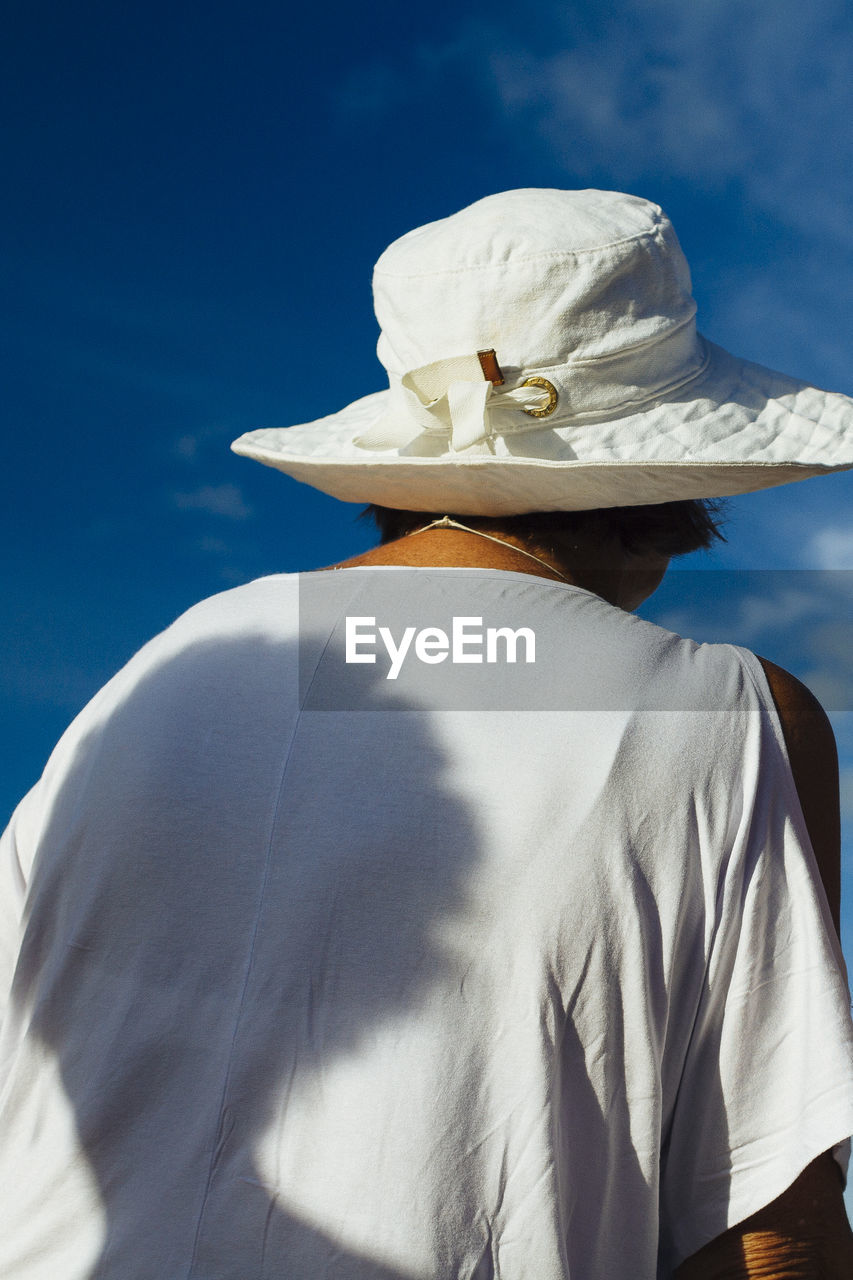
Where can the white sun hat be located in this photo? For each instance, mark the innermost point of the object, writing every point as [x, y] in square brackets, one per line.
[542, 355]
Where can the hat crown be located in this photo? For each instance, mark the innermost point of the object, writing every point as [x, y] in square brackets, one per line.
[544, 277]
[609, 396]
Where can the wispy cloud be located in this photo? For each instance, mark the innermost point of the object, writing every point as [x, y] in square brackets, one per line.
[748, 108]
[712, 91]
[213, 546]
[186, 447]
[706, 91]
[832, 547]
[798, 618]
[759, 615]
[191, 446]
[217, 500]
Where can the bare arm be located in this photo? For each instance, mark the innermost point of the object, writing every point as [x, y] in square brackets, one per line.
[814, 764]
[804, 1234]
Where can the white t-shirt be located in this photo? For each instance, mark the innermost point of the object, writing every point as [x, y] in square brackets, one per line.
[513, 969]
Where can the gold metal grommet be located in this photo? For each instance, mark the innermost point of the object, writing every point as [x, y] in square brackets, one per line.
[552, 397]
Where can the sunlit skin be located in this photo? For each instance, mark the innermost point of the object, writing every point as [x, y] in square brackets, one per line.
[804, 1234]
[600, 566]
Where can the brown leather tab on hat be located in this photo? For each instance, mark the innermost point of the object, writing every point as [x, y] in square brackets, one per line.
[491, 368]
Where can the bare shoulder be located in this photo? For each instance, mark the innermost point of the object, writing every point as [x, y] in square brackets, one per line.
[802, 716]
[814, 765]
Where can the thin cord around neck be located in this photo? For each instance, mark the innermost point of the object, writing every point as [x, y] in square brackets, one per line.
[447, 523]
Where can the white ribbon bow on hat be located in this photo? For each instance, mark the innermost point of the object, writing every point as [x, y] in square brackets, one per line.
[452, 399]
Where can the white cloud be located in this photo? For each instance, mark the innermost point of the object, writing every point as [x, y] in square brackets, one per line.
[709, 91]
[607, 106]
[218, 500]
[213, 546]
[794, 322]
[189, 446]
[832, 547]
[758, 615]
[800, 619]
[830, 648]
[727, 94]
[186, 447]
[753, 604]
[748, 622]
[748, 104]
[831, 688]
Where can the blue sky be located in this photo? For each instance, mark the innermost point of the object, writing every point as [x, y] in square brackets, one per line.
[195, 196]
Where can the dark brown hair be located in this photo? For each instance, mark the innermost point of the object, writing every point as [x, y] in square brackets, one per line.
[665, 528]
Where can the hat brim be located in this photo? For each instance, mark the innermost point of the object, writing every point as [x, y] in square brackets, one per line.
[737, 428]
